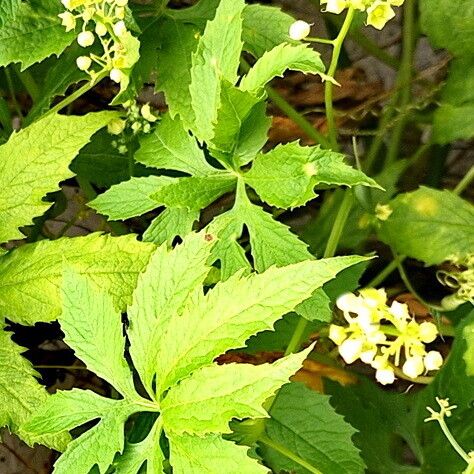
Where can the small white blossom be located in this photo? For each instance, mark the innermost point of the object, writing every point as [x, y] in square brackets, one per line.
[85, 39]
[100, 29]
[413, 366]
[116, 75]
[351, 350]
[299, 30]
[428, 332]
[119, 28]
[433, 360]
[385, 376]
[84, 63]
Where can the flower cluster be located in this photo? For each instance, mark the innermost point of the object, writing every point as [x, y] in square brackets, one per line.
[384, 336]
[102, 22]
[138, 120]
[460, 279]
[379, 12]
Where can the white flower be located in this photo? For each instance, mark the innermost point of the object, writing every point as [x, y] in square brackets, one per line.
[385, 376]
[334, 6]
[120, 28]
[83, 62]
[433, 360]
[351, 349]
[337, 334]
[85, 38]
[413, 366]
[367, 357]
[116, 75]
[299, 30]
[68, 20]
[399, 311]
[379, 13]
[428, 332]
[100, 29]
[347, 302]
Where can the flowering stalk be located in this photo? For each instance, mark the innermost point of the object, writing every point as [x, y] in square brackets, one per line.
[446, 411]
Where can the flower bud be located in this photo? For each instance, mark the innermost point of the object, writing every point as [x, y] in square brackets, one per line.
[433, 360]
[122, 3]
[413, 366]
[347, 302]
[385, 376]
[399, 311]
[116, 75]
[83, 62]
[367, 357]
[100, 29]
[85, 39]
[120, 13]
[428, 332]
[334, 6]
[116, 126]
[147, 114]
[299, 30]
[350, 350]
[120, 28]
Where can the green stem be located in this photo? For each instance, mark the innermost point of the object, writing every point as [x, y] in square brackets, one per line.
[328, 85]
[297, 118]
[75, 95]
[11, 89]
[457, 447]
[339, 223]
[421, 379]
[391, 267]
[29, 83]
[404, 78]
[288, 454]
[465, 182]
[297, 336]
[319, 40]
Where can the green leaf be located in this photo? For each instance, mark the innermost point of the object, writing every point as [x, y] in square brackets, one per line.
[195, 192]
[285, 176]
[32, 31]
[272, 243]
[101, 163]
[468, 334]
[216, 58]
[210, 454]
[163, 290]
[454, 120]
[130, 198]
[217, 394]
[409, 229]
[379, 417]
[275, 62]
[30, 276]
[449, 24]
[21, 394]
[305, 423]
[234, 310]
[34, 160]
[98, 446]
[178, 42]
[103, 353]
[199, 13]
[135, 454]
[265, 27]
[235, 108]
[172, 222]
[67, 409]
[228, 228]
[171, 147]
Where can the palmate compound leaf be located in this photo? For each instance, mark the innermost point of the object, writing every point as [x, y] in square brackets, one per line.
[31, 31]
[231, 391]
[30, 276]
[21, 394]
[409, 228]
[35, 160]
